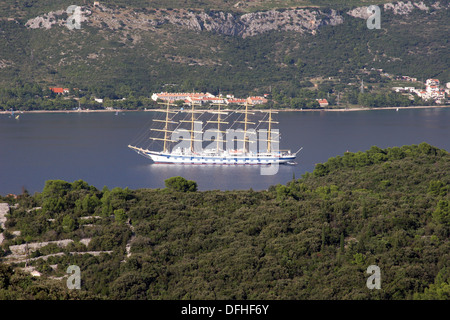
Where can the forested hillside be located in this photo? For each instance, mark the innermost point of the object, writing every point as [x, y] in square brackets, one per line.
[313, 238]
[297, 50]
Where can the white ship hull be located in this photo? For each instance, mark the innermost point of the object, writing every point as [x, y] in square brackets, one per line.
[225, 159]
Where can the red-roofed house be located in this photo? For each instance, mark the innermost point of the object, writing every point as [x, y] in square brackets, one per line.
[236, 100]
[179, 96]
[213, 99]
[257, 100]
[323, 102]
[432, 82]
[60, 90]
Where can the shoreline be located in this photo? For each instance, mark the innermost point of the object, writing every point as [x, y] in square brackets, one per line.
[367, 109]
[262, 110]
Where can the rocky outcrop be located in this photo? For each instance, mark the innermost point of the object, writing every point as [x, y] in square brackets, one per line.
[251, 24]
[45, 21]
[399, 8]
[402, 8]
[298, 20]
[4, 210]
[246, 25]
[22, 249]
[53, 18]
[359, 12]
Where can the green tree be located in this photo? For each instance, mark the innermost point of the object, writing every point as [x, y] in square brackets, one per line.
[120, 216]
[282, 191]
[320, 170]
[56, 188]
[80, 185]
[90, 203]
[436, 188]
[69, 224]
[439, 290]
[181, 184]
[442, 212]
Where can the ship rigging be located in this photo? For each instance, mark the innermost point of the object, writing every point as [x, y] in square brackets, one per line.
[183, 140]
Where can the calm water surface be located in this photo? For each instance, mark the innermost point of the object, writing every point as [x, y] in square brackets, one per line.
[93, 147]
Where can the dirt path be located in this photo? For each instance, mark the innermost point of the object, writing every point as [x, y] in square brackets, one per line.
[133, 236]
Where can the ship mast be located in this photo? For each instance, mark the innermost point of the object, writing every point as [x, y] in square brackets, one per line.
[219, 121]
[246, 123]
[269, 131]
[167, 121]
[192, 122]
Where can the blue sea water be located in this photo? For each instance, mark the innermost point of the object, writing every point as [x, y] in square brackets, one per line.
[93, 147]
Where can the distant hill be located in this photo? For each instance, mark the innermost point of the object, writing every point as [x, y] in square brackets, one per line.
[242, 47]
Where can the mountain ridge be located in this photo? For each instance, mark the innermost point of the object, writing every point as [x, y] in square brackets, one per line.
[249, 24]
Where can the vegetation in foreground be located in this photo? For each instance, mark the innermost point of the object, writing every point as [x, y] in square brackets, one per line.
[312, 238]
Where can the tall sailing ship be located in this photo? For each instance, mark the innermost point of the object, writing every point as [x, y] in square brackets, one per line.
[245, 145]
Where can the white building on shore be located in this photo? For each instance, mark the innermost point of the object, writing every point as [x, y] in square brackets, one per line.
[207, 97]
[432, 91]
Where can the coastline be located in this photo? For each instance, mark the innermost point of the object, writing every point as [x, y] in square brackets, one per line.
[368, 109]
[262, 110]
